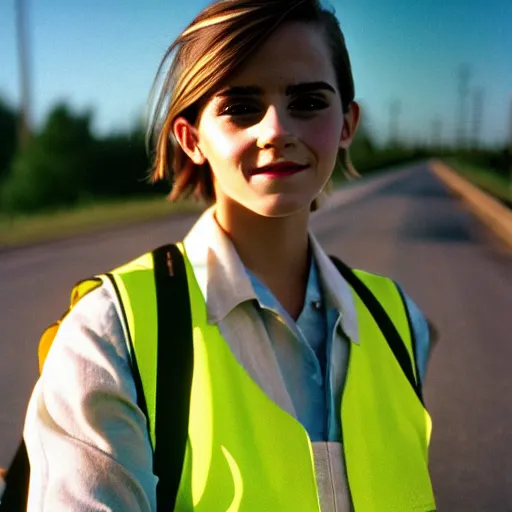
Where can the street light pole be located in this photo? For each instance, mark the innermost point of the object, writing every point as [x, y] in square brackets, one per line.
[509, 147]
[23, 59]
[464, 76]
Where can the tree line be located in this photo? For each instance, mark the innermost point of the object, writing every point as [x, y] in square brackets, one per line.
[65, 164]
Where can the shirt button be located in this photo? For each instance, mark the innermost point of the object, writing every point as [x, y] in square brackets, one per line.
[316, 305]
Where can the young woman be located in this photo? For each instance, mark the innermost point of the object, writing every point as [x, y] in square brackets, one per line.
[297, 400]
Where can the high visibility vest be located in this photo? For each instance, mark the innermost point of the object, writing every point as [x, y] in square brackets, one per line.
[244, 453]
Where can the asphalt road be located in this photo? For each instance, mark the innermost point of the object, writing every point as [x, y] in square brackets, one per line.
[405, 225]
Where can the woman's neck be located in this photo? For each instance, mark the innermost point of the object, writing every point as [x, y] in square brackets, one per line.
[275, 250]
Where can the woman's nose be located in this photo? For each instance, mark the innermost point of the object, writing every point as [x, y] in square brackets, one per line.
[274, 130]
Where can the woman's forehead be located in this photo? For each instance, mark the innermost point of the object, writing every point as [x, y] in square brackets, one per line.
[296, 53]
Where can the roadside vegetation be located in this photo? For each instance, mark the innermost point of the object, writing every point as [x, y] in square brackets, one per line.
[492, 172]
[41, 227]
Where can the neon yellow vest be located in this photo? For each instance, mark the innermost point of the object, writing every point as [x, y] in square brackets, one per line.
[245, 453]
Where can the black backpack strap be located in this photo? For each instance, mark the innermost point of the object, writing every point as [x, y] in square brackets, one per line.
[17, 478]
[174, 372]
[413, 337]
[175, 357]
[385, 324]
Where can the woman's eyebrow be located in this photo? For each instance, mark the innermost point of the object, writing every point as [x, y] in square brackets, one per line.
[309, 87]
[240, 90]
[254, 90]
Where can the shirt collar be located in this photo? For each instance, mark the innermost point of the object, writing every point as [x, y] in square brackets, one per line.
[225, 284]
[219, 271]
[337, 290]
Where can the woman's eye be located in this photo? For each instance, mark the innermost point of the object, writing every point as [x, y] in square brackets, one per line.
[239, 109]
[309, 104]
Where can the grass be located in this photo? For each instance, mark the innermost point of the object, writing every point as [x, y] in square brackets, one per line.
[484, 178]
[22, 230]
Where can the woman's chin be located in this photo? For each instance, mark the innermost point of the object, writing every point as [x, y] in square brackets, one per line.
[281, 206]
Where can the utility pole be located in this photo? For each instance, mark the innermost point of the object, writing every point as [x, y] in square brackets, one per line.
[24, 69]
[510, 125]
[436, 136]
[394, 116]
[509, 146]
[478, 96]
[464, 74]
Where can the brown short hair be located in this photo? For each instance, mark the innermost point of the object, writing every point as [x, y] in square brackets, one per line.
[205, 55]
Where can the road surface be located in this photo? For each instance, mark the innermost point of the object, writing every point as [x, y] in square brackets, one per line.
[405, 225]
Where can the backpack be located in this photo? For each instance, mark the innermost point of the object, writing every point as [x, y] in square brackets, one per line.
[174, 383]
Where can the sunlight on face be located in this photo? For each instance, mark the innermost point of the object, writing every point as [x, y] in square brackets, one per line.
[283, 106]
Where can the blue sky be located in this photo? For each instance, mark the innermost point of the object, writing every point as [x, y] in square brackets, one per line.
[103, 55]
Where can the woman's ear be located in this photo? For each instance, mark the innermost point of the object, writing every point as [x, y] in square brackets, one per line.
[188, 138]
[350, 123]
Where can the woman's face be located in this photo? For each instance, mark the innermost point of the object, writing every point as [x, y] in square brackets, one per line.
[283, 110]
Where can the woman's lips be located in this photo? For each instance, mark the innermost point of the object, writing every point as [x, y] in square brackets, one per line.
[279, 170]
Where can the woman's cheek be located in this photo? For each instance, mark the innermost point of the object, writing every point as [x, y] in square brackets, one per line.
[324, 136]
[235, 148]
[221, 139]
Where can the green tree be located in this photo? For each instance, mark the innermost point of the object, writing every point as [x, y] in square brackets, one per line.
[52, 170]
[8, 137]
[120, 166]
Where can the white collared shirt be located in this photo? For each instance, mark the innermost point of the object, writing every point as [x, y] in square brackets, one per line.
[87, 440]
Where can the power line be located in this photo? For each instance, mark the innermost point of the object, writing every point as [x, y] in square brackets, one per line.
[464, 76]
[436, 135]
[510, 125]
[395, 109]
[478, 99]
